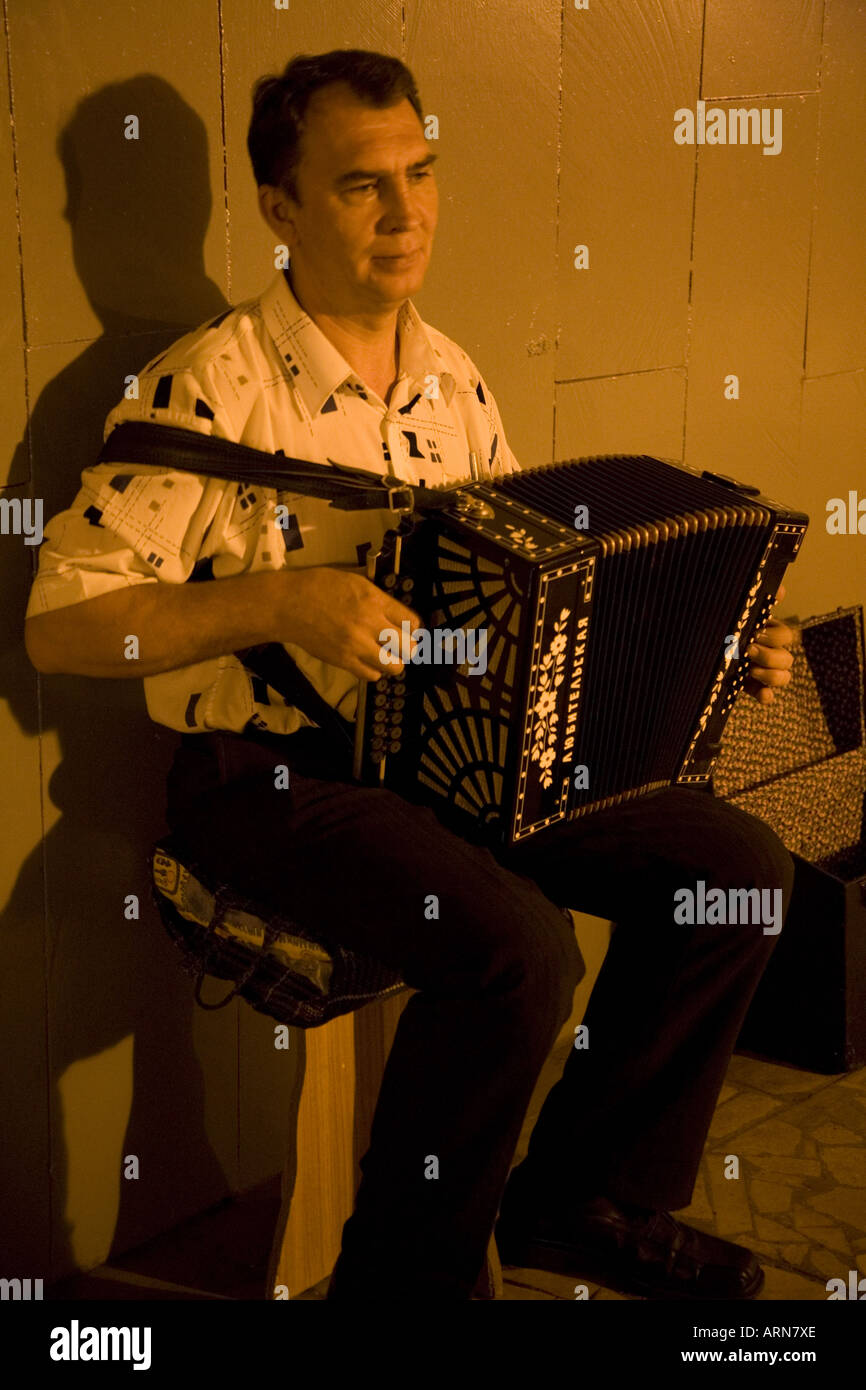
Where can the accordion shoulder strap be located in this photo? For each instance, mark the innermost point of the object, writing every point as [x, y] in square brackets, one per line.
[347, 489]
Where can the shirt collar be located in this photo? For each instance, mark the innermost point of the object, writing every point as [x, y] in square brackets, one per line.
[314, 366]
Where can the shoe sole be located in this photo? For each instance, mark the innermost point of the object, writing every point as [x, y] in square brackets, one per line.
[567, 1259]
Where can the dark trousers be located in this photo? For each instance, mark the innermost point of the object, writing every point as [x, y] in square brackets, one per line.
[483, 939]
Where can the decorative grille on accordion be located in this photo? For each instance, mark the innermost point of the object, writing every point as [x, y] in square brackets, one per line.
[613, 653]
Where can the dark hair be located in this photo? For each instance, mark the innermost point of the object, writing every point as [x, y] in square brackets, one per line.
[279, 104]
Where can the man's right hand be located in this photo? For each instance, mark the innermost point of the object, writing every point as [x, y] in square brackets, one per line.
[337, 616]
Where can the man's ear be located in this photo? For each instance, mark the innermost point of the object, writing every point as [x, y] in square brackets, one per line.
[276, 207]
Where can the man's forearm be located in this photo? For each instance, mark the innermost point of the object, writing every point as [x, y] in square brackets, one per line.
[175, 625]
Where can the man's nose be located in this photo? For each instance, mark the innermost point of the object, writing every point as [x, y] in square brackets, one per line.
[401, 202]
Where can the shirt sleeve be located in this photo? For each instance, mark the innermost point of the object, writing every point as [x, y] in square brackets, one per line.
[131, 525]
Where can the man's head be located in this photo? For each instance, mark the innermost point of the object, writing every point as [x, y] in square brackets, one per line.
[345, 177]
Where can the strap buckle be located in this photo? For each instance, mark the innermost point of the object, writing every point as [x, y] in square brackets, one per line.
[405, 505]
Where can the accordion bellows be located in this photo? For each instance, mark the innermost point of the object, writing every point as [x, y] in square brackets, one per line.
[614, 652]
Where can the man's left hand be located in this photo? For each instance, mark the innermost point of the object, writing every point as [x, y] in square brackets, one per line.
[770, 659]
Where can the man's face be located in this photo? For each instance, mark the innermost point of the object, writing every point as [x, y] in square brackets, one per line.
[363, 233]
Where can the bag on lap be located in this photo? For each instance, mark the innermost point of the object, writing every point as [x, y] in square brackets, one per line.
[276, 967]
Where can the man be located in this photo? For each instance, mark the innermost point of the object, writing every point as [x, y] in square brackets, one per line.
[332, 361]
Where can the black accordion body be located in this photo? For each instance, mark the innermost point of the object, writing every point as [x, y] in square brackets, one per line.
[618, 595]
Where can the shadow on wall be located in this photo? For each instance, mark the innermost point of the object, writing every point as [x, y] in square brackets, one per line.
[137, 220]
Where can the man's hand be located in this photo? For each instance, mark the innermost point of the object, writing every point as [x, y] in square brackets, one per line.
[770, 660]
[337, 615]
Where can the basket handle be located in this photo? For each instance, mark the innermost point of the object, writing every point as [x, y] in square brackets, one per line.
[221, 905]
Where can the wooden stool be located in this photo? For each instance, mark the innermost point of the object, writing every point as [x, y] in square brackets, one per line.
[345, 1061]
[344, 1067]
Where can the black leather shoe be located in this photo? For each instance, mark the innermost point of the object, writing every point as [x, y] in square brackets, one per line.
[634, 1251]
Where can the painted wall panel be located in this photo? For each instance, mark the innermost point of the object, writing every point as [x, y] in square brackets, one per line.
[13, 417]
[79, 71]
[831, 569]
[837, 282]
[625, 188]
[491, 285]
[773, 46]
[751, 250]
[638, 414]
[25, 1212]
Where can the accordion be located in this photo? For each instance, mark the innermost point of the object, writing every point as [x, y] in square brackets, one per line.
[587, 630]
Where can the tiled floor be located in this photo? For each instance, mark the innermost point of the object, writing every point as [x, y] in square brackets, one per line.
[799, 1200]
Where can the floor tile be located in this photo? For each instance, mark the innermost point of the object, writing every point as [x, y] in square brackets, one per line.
[770, 1196]
[776, 1079]
[800, 1201]
[771, 1137]
[794, 1254]
[782, 1284]
[792, 1170]
[827, 1263]
[730, 1205]
[768, 1229]
[700, 1208]
[847, 1204]
[744, 1109]
[832, 1237]
[846, 1165]
[834, 1134]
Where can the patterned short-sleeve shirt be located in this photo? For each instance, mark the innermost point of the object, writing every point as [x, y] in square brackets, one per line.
[264, 374]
